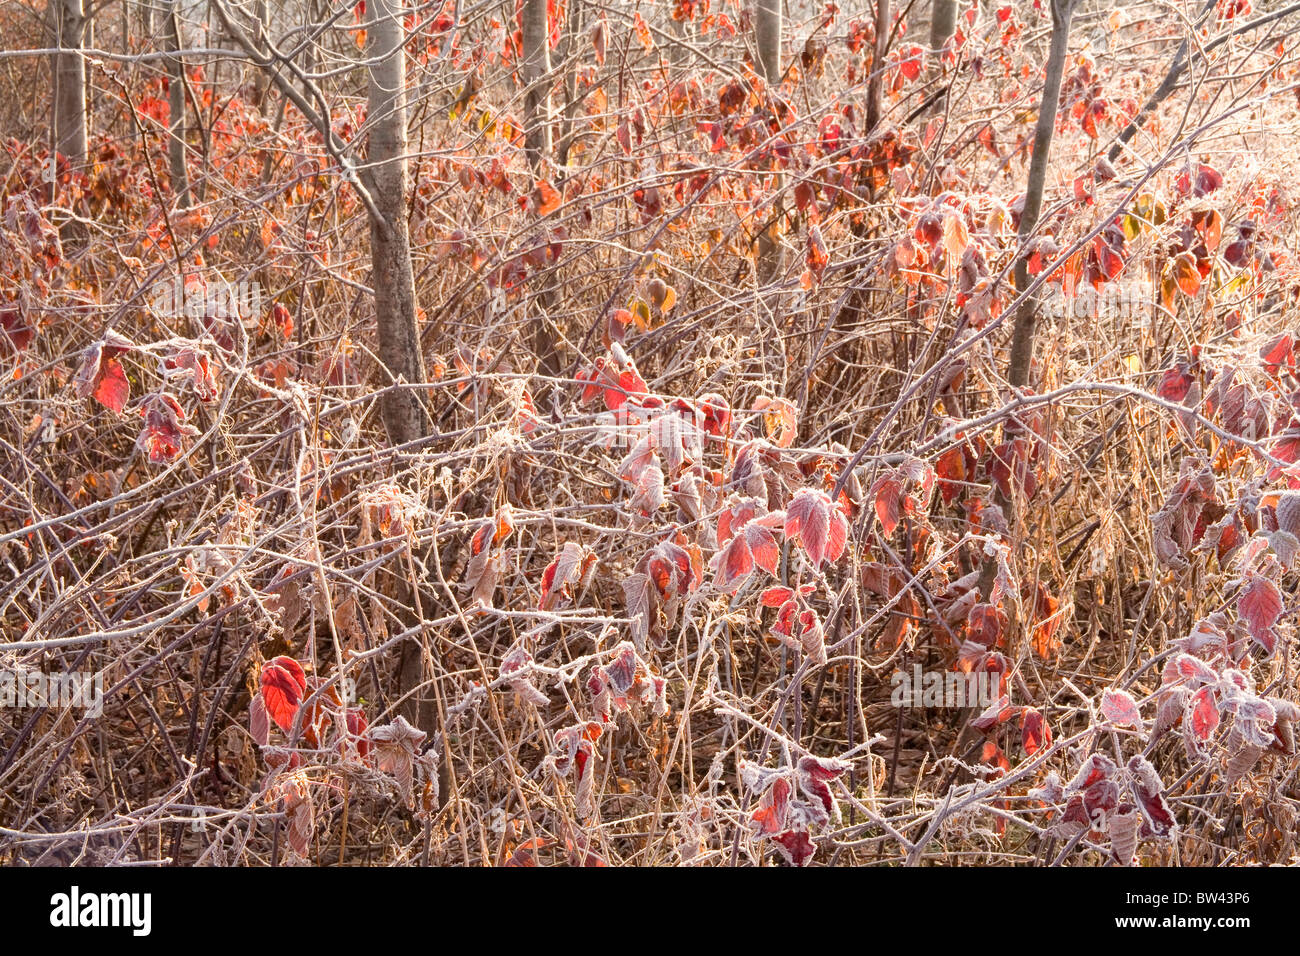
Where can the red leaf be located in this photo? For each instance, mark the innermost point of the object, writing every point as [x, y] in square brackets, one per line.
[1260, 605]
[998, 713]
[888, 493]
[113, 389]
[821, 527]
[985, 624]
[1120, 708]
[776, 596]
[816, 258]
[164, 429]
[565, 569]
[992, 754]
[1034, 731]
[1204, 713]
[772, 808]
[1147, 787]
[16, 333]
[1175, 383]
[1045, 641]
[258, 723]
[1187, 667]
[283, 686]
[733, 563]
[1276, 351]
[101, 374]
[356, 722]
[762, 547]
[815, 774]
[910, 64]
[796, 846]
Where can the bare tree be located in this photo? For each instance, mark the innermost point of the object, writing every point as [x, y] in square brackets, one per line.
[405, 416]
[536, 73]
[875, 85]
[384, 190]
[767, 38]
[767, 41]
[1022, 341]
[68, 22]
[943, 23]
[175, 105]
[537, 140]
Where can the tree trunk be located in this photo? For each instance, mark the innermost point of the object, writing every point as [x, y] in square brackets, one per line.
[875, 86]
[1026, 318]
[1022, 341]
[537, 142]
[767, 38]
[943, 23]
[537, 65]
[404, 413]
[68, 19]
[175, 105]
[767, 44]
[261, 82]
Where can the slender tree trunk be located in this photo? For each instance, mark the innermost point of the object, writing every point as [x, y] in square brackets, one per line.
[537, 65]
[767, 44]
[405, 414]
[537, 142]
[573, 36]
[875, 86]
[1022, 341]
[1026, 318]
[68, 20]
[943, 23]
[175, 105]
[767, 38]
[261, 82]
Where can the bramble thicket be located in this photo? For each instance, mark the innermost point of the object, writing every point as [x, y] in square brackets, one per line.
[539, 432]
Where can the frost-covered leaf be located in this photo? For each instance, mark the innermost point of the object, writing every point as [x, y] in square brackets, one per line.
[1119, 707]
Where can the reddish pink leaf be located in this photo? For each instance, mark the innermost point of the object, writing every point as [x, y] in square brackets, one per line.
[733, 563]
[821, 527]
[1035, 733]
[258, 723]
[887, 493]
[1148, 789]
[1120, 708]
[283, 687]
[815, 774]
[1204, 711]
[1260, 605]
[776, 596]
[165, 431]
[762, 547]
[796, 846]
[770, 815]
[1187, 667]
